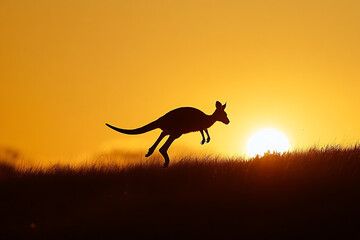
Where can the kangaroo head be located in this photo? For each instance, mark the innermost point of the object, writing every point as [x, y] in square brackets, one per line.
[220, 113]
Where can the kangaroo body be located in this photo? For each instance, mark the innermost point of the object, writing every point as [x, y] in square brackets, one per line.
[177, 122]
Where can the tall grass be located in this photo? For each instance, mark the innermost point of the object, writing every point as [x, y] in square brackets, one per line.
[302, 194]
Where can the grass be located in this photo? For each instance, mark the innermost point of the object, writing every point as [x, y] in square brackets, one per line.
[304, 194]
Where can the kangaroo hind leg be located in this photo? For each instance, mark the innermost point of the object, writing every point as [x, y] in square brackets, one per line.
[153, 147]
[165, 147]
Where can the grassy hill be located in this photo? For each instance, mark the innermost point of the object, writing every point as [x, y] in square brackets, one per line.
[300, 195]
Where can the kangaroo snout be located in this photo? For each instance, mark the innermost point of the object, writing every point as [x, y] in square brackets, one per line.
[226, 121]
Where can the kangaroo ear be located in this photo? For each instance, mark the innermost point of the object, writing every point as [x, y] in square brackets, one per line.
[218, 105]
[224, 106]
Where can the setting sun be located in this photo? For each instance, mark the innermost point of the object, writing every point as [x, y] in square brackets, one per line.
[267, 140]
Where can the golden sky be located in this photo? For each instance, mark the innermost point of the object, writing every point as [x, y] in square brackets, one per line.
[67, 67]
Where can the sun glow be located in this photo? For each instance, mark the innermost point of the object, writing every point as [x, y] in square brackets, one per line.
[267, 140]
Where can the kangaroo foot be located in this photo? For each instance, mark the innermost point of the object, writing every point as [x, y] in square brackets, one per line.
[149, 152]
[166, 165]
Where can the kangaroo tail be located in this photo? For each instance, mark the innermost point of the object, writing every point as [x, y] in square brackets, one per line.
[144, 129]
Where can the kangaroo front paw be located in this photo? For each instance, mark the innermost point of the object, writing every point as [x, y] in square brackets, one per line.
[202, 142]
[208, 140]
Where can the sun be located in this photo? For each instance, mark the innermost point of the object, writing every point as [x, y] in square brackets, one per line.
[267, 140]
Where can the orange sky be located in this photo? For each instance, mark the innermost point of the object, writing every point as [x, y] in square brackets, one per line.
[67, 67]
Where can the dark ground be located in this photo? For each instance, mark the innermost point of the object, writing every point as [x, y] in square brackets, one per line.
[304, 195]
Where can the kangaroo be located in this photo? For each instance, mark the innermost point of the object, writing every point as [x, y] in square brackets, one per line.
[177, 122]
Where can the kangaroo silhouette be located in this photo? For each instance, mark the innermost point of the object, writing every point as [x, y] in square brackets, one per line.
[177, 122]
